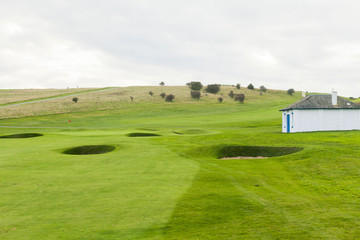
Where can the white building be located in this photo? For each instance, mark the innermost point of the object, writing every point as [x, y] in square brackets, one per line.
[321, 113]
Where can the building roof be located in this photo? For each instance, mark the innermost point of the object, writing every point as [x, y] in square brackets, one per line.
[321, 102]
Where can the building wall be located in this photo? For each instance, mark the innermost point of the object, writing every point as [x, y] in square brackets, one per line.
[322, 120]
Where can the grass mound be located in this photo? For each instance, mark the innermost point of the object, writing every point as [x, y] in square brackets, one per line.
[255, 151]
[194, 131]
[22, 135]
[90, 149]
[148, 129]
[143, 135]
[190, 132]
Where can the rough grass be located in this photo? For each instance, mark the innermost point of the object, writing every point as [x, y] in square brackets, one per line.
[19, 95]
[119, 98]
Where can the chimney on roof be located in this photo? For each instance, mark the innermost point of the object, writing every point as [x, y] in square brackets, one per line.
[334, 98]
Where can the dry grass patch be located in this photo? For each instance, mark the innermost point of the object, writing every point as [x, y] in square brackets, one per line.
[18, 95]
[118, 98]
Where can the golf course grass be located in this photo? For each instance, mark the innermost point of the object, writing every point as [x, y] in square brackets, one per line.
[167, 181]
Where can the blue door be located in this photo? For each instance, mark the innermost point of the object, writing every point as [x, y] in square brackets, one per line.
[288, 123]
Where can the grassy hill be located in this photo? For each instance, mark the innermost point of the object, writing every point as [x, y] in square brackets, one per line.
[172, 186]
[119, 98]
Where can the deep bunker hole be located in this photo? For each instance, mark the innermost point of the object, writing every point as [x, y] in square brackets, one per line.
[255, 151]
[143, 135]
[22, 135]
[89, 149]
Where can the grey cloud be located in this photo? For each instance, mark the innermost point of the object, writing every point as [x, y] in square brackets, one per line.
[307, 45]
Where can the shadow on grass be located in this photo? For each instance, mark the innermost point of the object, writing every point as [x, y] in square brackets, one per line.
[211, 209]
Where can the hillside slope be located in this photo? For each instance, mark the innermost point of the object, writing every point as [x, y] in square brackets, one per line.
[120, 98]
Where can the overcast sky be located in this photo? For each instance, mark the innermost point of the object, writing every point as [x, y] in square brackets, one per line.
[309, 45]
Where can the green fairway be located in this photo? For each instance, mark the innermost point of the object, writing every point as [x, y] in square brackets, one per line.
[162, 178]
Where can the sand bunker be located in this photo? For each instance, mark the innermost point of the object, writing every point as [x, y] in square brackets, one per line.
[89, 149]
[242, 157]
[143, 135]
[254, 152]
[22, 135]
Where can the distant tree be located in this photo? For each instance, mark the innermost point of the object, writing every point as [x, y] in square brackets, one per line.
[213, 88]
[162, 84]
[290, 91]
[169, 98]
[262, 88]
[239, 97]
[250, 86]
[163, 95]
[196, 86]
[75, 99]
[195, 94]
[131, 98]
[231, 94]
[151, 93]
[220, 99]
[238, 86]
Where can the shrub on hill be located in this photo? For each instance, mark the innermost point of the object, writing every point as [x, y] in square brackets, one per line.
[162, 84]
[231, 94]
[250, 86]
[75, 99]
[169, 98]
[239, 97]
[163, 95]
[262, 88]
[290, 91]
[196, 86]
[213, 88]
[238, 86]
[220, 99]
[131, 98]
[195, 94]
[151, 93]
